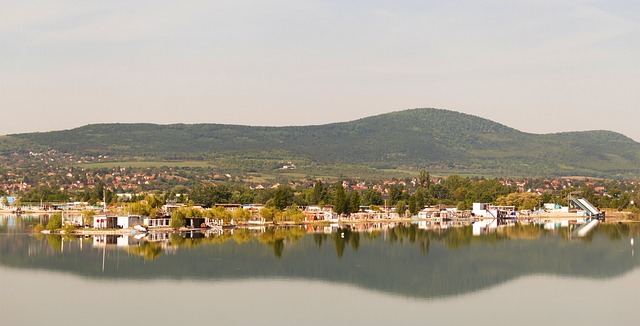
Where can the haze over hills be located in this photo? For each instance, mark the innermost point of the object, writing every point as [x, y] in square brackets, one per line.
[433, 139]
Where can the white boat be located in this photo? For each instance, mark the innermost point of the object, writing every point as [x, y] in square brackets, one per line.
[139, 228]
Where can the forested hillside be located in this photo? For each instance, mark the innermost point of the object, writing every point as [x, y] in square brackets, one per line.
[438, 140]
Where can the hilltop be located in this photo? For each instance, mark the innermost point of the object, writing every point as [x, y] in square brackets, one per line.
[434, 139]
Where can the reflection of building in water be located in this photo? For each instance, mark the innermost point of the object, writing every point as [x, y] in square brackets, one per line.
[193, 234]
[158, 236]
[109, 240]
[354, 227]
[11, 221]
[214, 232]
[103, 240]
[166, 236]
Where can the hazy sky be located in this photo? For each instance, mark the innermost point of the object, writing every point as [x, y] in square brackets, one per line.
[535, 65]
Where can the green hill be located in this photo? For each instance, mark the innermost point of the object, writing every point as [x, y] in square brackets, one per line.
[434, 139]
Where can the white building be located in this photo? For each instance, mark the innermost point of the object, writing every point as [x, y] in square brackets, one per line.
[488, 210]
[129, 221]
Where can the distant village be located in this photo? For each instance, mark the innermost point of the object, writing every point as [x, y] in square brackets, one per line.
[46, 182]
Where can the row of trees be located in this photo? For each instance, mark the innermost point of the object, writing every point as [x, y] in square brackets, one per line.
[453, 190]
[410, 195]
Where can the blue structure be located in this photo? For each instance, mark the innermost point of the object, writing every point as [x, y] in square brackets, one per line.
[11, 200]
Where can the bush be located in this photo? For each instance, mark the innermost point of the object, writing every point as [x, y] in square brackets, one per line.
[69, 228]
[38, 228]
[55, 222]
[177, 219]
[87, 217]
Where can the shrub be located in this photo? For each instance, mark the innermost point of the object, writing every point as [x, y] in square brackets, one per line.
[69, 228]
[38, 228]
[55, 222]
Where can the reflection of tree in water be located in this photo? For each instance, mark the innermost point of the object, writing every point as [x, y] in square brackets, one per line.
[454, 237]
[55, 242]
[318, 238]
[616, 231]
[339, 242]
[522, 232]
[176, 239]
[458, 237]
[274, 238]
[425, 245]
[242, 235]
[180, 240]
[344, 236]
[278, 247]
[148, 250]
[354, 240]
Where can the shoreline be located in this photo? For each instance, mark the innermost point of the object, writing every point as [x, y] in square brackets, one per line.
[617, 219]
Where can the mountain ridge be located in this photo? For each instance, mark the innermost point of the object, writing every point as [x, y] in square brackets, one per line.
[414, 139]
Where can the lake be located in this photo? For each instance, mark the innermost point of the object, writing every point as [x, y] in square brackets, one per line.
[375, 274]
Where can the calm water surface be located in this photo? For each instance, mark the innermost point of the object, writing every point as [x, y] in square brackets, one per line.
[373, 274]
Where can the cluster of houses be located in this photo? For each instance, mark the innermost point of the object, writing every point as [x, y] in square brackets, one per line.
[312, 213]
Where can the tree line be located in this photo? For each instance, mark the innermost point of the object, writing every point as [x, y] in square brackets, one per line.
[405, 195]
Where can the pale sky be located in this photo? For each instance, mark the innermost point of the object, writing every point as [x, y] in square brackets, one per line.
[536, 65]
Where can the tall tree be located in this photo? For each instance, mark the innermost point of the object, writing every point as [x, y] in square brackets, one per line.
[413, 205]
[318, 193]
[439, 191]
[401, 207]
[422, 197]
[340, 199]
[354, 202]
[282, 197]
[372, 197]
[396, 193]
[424, 180]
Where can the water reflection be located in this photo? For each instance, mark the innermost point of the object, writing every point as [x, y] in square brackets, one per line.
[403, 259]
